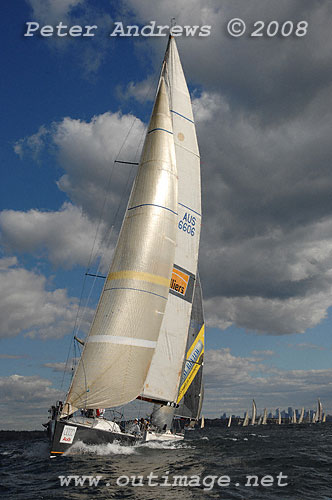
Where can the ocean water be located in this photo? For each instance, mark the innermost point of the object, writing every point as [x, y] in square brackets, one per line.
[284, 462]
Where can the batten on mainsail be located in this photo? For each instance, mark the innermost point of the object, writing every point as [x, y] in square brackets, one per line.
[125, 329]
[163, 379]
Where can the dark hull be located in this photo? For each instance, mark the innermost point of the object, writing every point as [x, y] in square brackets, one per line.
[84, 434]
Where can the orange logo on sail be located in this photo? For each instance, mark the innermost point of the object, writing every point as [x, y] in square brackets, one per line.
[179, 281]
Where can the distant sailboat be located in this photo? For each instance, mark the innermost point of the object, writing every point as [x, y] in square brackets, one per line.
[294, 417]
[260, 420]
[229, 421]
[279, 418]
[253, 414]
[319, 411]
[246, 419]
[301, 415]
[264, 417]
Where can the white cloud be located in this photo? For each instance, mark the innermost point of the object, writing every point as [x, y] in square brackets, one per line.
[231, 382]
[86, 151]
[140, 91]
[66, 236]
[48, 11]
[268, 316]
[25, 401]
[27, 306]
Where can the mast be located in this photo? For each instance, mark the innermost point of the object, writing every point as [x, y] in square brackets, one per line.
[124, 333]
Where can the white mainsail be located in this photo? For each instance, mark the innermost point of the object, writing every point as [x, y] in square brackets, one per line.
[246, 420]
[264, 417]
[229, 421]
[253, 414]
[319, 411]
[279, 417]
[124, 333]
[163, 378]
[294, 417]
[301, 415]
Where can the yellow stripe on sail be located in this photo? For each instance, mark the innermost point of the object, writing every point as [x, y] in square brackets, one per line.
[139, 276]
[192, 374]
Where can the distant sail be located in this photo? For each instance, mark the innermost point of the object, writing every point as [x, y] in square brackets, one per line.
[246, 419]
[229, 421]
[253, 414]
[264, 417]
[319, 411]
[279, 417]
[294, 417]
[301, 416]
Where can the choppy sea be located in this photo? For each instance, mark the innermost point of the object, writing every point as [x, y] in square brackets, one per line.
[265, 462]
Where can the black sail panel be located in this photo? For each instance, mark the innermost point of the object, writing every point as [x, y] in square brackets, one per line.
[190, 396]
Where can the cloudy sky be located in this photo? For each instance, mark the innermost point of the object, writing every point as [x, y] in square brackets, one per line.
[263, 112]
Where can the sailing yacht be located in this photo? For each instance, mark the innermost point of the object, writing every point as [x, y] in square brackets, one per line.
[253, 413]
[301, 415]
[146, 340]
[319, 411]
[264, 422]
[246, 419]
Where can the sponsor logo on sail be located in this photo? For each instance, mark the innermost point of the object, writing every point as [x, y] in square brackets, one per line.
[179, 281]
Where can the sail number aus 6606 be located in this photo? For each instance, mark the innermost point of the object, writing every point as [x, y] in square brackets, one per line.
[187, 224]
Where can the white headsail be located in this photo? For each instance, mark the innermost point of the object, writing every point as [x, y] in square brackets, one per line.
[124, 333]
